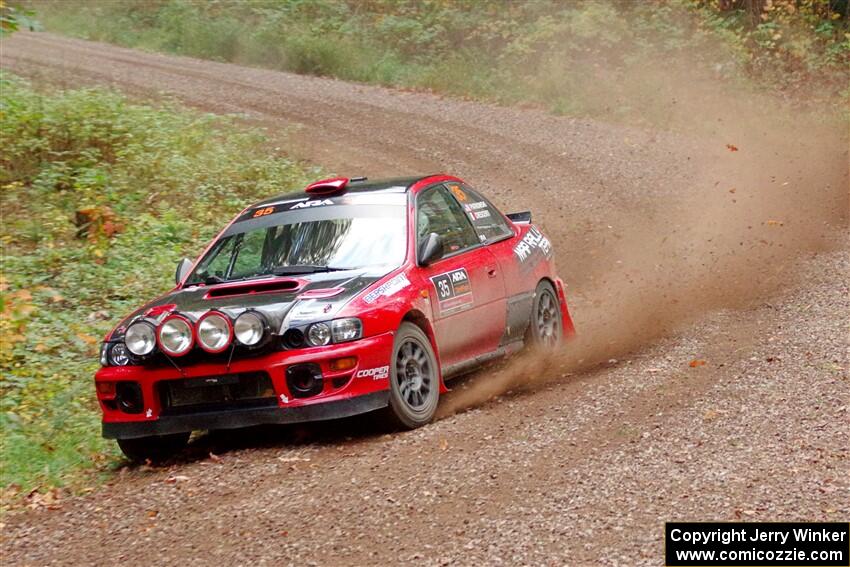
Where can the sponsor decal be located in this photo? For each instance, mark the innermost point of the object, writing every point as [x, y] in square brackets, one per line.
[379, 373]
[454, 291]
[308, 204]
[387, 288]
[478, 215]
[533, 245]
[469, 207]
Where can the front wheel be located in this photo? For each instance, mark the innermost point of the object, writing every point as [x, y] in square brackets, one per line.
[414, 379]
[155, 448]
[546, 325]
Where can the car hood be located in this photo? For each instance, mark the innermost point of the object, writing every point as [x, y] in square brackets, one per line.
[286, 300]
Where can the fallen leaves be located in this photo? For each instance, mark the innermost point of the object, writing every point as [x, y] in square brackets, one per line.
[88, 339]
[51, 499]
[174, 479]
[95, 223]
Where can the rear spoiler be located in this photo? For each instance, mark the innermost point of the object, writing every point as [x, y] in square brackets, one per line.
[520, 218]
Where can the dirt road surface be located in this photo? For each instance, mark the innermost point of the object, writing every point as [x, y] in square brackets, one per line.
[581, 466]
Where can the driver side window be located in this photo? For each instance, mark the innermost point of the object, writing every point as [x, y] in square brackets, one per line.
[438, 212]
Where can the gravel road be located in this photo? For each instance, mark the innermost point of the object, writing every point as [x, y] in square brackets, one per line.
[676, 248]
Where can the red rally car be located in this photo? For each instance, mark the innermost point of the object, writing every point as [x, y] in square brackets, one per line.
[350, 296]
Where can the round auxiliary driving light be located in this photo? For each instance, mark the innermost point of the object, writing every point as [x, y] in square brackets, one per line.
[140, 338]
[215, 332]
[175, 335]
[319, 334]
[249, 328]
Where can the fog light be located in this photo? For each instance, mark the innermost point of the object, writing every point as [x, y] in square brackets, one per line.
[129, 397]
[106, 388]
[304, 380]
[346, 363]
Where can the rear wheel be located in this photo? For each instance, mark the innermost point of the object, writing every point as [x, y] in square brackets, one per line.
[156, 448]
[414, 381]
[546, 325]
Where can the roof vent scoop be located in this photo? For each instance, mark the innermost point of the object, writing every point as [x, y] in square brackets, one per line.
[327, 186]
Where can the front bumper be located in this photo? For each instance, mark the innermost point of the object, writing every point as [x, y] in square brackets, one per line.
[235, 418]
[360, 389]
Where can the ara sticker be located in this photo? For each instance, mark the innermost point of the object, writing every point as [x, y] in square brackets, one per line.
[387, 288]
[379, 373]
[533, 244]
[454, 291]
[308, 204]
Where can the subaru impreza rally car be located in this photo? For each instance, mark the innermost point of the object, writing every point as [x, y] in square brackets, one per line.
[350, 296]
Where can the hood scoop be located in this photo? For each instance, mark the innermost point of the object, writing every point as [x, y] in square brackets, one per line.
[250, 288]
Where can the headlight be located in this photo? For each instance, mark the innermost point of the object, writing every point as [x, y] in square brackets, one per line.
[249, 328]
[214, 332]
[118, 355]
[175, 335]
[343, 330]
[140, 338]
[319, 334]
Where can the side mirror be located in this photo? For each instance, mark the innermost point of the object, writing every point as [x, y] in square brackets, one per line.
[520, 218]
[431, 249]
[183, 267]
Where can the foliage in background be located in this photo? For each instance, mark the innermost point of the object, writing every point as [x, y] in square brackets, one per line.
[13, 18]
[100, 198]
[579, 58]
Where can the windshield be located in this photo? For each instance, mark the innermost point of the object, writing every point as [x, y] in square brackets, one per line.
[334, 237]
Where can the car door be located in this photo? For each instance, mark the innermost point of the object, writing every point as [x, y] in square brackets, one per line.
[501, 238]
[466, 287]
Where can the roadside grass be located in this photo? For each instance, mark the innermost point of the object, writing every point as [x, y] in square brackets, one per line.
[582, 58]
[100, 198]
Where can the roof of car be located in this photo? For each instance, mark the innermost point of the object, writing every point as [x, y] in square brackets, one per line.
[354, 185]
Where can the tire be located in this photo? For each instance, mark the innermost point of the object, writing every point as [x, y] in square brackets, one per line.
[414, 379]
[546, 327]
[156, 449]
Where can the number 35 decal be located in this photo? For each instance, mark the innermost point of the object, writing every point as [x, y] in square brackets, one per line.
[263, 212]
[454, 292]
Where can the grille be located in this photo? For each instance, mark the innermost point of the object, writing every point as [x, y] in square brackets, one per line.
[213, 393]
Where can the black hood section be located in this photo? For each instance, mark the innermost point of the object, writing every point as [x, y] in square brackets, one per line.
[307, 297]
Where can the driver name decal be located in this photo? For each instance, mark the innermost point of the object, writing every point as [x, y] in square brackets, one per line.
[454, 291]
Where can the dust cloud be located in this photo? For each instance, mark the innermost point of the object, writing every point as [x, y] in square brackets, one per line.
[772, 190]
